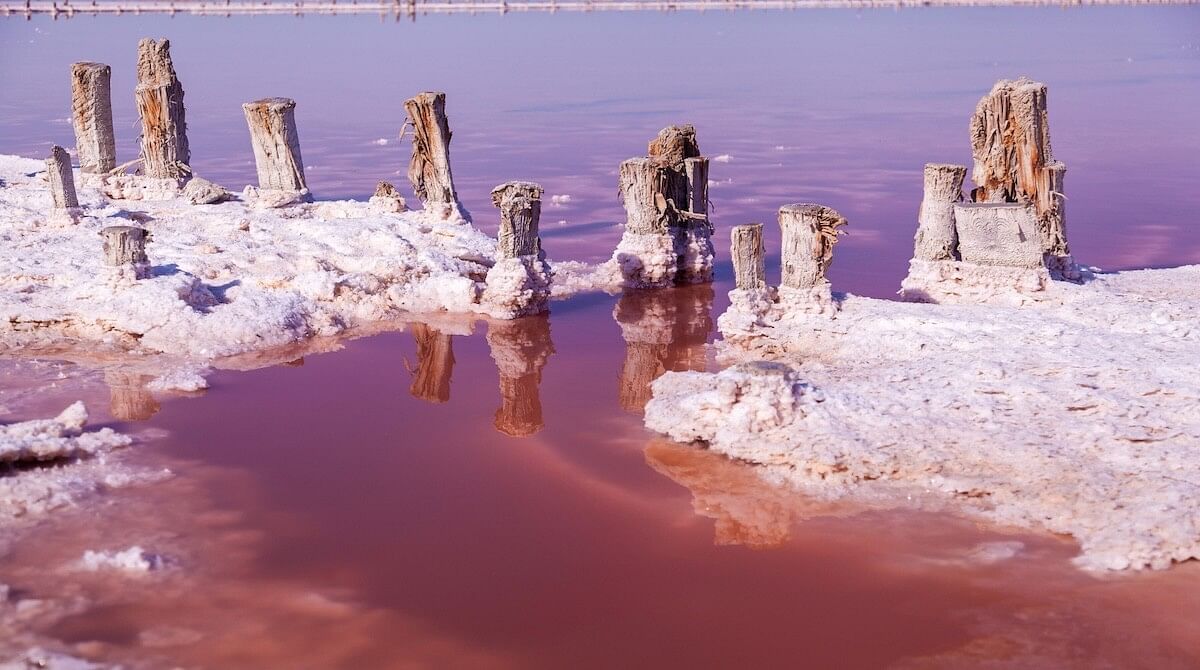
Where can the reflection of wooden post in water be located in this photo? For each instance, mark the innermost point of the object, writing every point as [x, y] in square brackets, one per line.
[666, 329]
[520, 348]
[129, 399]
[435, 364]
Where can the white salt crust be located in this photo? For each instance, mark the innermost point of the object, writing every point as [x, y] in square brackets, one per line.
[1077, 412]
[237, 276]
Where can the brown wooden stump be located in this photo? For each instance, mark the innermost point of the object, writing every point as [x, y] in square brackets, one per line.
[647, 191]
[936, 238]
[429, 170]
[62, 180]
[272, 123]
[91, 115]
[696, 171]
[809, 233]
[673, 145]
[159, 97]
[747, 252]
[125, 246]
[520, 204]
[1010, 142]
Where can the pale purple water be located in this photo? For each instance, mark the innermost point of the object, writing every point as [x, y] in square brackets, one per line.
[324, 516]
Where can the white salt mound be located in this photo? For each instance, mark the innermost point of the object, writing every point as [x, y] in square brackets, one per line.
[133, 560]
[1078, 413]
[60, 437]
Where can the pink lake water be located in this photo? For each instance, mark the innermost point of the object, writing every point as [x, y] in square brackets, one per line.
[404, 502]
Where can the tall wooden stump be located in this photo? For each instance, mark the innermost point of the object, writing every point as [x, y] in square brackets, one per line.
[747, 252]
[936, 237]
[809, 233]
[125, 248]
[696, 171]
[91, 115]
[1010, 143]
[520, 204]
[62, 181]
[429, 170]
[276, 143]
[435, 364]
[159, 97]
[998, 233]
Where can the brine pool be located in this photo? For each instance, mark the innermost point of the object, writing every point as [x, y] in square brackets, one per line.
[457, 493]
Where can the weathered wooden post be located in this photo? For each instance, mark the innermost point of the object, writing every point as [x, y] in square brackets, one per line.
[809, 233]
[998, 233]
[696, 170]
[1010, 143]
[747, 252]
[520, 349]
[125, 249]
[429, 169]
[673, 145]
[435, 364]
[276, 143]
[519, 282]
[62, 181]
[387, 199]
[936, 238]
[646, 192]
[91, 116]
[159, 96]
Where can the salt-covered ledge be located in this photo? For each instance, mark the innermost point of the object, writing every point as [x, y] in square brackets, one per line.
[1022, 389]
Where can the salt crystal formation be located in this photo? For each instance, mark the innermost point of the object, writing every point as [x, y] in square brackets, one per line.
[57, 438]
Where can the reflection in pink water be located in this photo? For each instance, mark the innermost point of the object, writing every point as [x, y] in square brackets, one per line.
[435, 498]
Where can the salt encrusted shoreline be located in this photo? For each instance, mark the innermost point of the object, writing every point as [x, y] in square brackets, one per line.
[235, 277]
[1078, 413]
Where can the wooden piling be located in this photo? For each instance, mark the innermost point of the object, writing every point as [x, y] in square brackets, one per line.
[809, 233]
[936, 238]
[429, 169]
[520, 204]
[696, 171]
[125, 245]
[62, 181]
[91, 115]
[159, 96]
[272, 123]
[646, 187]
[747, 252]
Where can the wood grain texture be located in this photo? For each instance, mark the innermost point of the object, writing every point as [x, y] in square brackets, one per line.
[62, 180]
[276, 143]
[159, 96]
[809, 233]
[91, 116]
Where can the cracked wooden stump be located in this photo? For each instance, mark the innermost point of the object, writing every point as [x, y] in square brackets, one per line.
[62, 180]
[520, 204]
[272, 123]
[809, 233]
[747, 252]
[159, 97]
[435, 364]
[429, 169]
[125, 247]
[937, 239]
[1010, 144]
[91, 116]
[647, 192]
[673, 145]
[696, 171]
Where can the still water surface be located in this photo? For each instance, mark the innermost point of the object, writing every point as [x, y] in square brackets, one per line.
[432, 498]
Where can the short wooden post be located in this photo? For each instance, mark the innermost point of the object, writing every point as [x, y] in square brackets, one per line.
[429, 169]
[435, 364]
[998, 233]
[809, 233]
[645, 186]
[91, 107]
[125, 246]
[747, 252]
[276, 143]
[1054, 223]
[696, 171]
[388, 199]
[520, 204]
[159, 96]
[62, 181]
[936, 237]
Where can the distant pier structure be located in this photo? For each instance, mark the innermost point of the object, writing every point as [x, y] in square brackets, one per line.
[411, 8]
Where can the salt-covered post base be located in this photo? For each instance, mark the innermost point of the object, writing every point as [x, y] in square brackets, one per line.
[519, 283]
[125, 252]
[646, 260]
[520, 349]
[387, 200]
